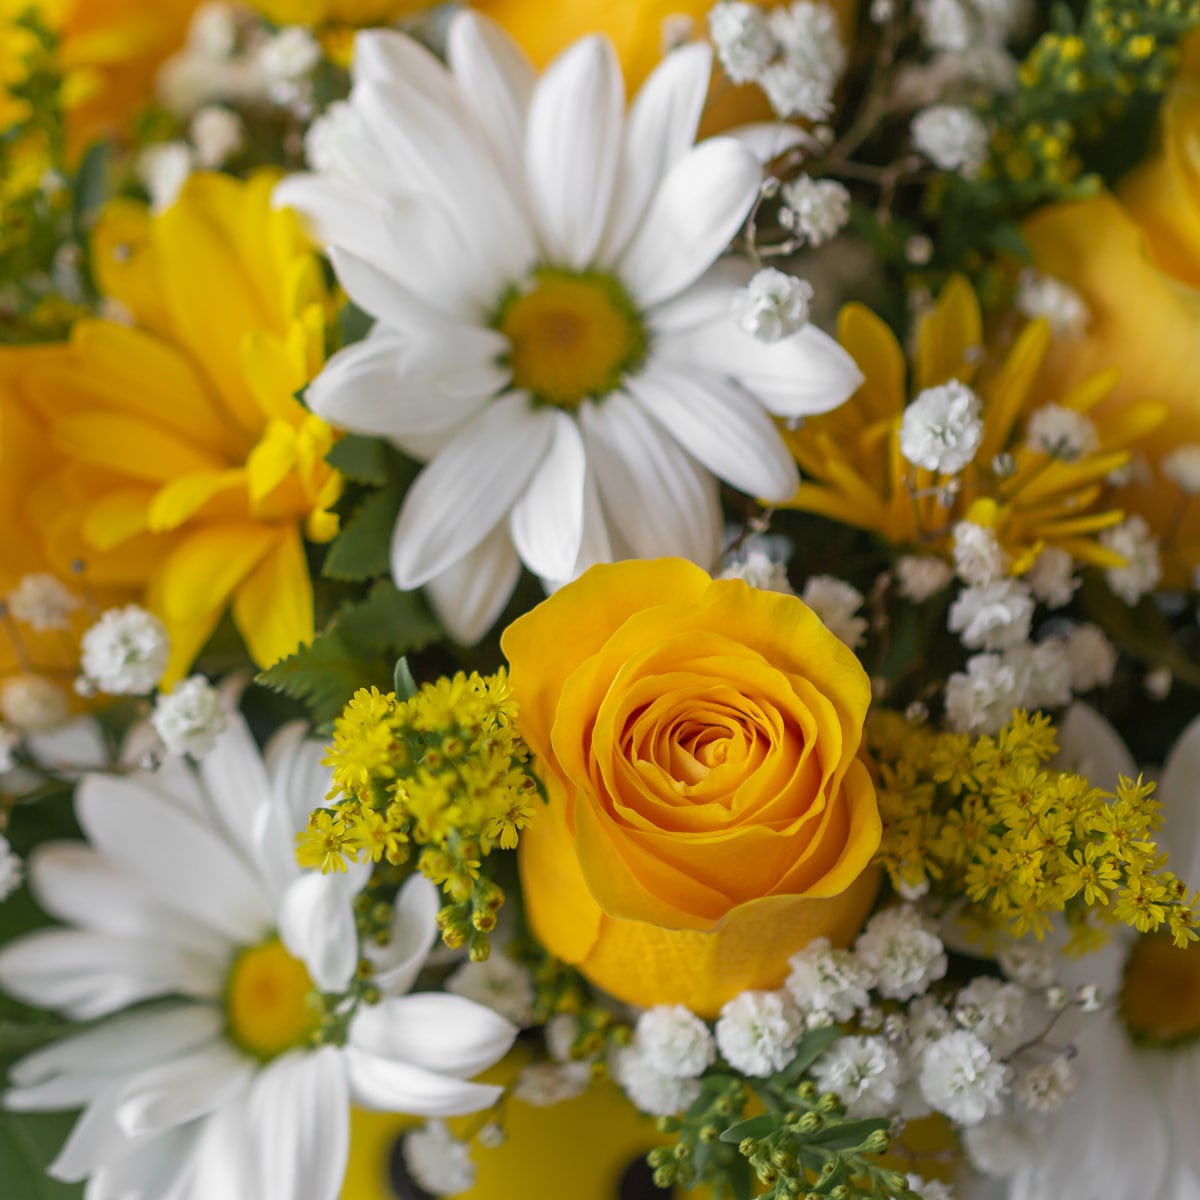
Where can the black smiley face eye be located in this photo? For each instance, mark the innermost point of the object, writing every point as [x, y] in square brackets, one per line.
[637, 1183]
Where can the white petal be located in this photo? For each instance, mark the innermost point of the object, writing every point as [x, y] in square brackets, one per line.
[469, 596]
[435, 1030]
[1181, 1067]
[96, 1140]
[468, 489]
[414, 930]
[798, 376]
[235, 780]
[316, 924]
[547, 519]
[141, 835]
[661, 127]
[124, 1044]
[385, 1086]
[155, 1170]
[658, 499]
[416, 391]
[437, 153]
[226, 1154]
[89, 975]
[300, 1114]
[721, 426]
[80, 887]
[495, 82]
[708, 301]
[63, 1093]
[1089, 745]
[768, 140]
[183, 1089]
[336, 213]
[1179, 791]
[697, 210]
[572, 148]
[300, 782]
[385, 56]
[75, 746]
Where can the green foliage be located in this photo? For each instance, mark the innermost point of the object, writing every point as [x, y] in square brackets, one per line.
[361, 459]
[357, 650]
[362, 549]
[28, 1143]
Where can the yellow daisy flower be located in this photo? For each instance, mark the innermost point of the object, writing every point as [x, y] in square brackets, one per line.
[108, 51]
[1031, 498]
[190, 470]
[339, 12]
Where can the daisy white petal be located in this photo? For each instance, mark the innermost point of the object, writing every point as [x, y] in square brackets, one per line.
[495, 82]
[437, 1031]
[660, 130]
[456, 501]
[316, 924]
[547, 520]
[572, 148]
[723, 428]
[657, 498]
[413, 933]
[470, 595]
[384, 1085]
[692, 218]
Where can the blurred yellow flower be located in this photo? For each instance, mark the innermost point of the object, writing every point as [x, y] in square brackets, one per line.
[641, 30]
[338, 12]
[189, 470]
[1134, 258]
[855, 472]
[108, 52]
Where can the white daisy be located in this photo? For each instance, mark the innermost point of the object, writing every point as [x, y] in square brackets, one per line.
[237, 1081]
[554, 332]
[1140, 1094]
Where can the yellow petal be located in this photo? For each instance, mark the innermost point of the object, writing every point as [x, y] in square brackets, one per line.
[183, 498]
[200, 574]
[948, 336]
[273, 606]
[130, 446]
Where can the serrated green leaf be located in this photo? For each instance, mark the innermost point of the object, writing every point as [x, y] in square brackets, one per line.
[28, 1144]
[403, 683]
[812, 1045]
[753, 1127]
[362, 459]
[846, 1135]
[356, 651]
[353, 323]
[362, 549]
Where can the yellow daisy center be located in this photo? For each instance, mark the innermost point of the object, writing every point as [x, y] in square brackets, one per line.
[571, 336]
[269, 1001]
[1160, 997]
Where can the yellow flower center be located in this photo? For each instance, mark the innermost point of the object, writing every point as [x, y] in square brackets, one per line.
[268, 1001]
[572, 336]
[1160, 997]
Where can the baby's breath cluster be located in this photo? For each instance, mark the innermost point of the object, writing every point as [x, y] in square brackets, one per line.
[443, 771]
[990, 820]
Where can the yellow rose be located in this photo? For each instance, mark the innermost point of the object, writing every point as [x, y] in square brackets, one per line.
[639, 29]
[709, 809]
[1135, 260]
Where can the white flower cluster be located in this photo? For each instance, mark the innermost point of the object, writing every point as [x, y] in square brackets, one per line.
[42, 602]
[1134, 542]
[660, 1066]
[190, 717]
[1052, 300]
[1182, 467]
[499, 983]
[544, 1084]
[952, 137]
[1062, 433]
[773, 306]
[125, 652]
[942, 428]
[33, 703]
[837, 603]
[438, 1161]
[759, 560]
[814, 210]
[12, 869]
[795, 53]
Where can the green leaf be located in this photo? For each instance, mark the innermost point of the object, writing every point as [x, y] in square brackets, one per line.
[28, 1144]
[812, 1045]
[403, 683]
[356, 651]
[362, 459]
[753, 1127]
[353, 323]
[91, 185]
[363, 548]
[847, 1135]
